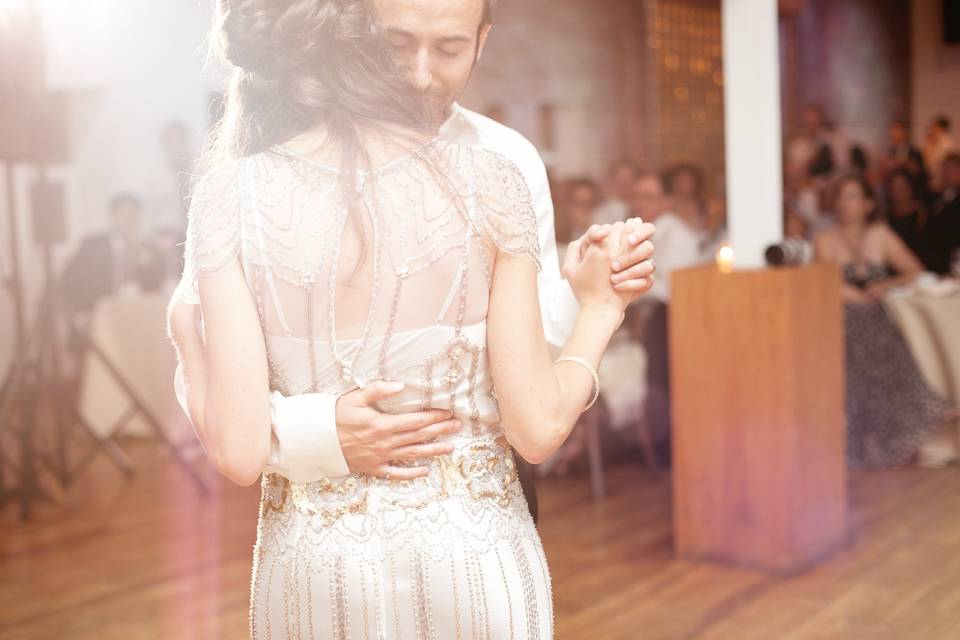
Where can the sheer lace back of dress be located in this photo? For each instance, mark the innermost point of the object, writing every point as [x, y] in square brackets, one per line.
[342, 294]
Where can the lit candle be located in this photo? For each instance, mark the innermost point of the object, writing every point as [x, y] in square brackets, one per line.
[725, 258]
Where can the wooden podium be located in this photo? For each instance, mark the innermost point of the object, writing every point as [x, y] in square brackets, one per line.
[756, 369]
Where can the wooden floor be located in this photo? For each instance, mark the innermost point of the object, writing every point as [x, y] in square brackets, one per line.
[149, 559]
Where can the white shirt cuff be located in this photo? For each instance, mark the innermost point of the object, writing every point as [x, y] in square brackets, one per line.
[305, 446]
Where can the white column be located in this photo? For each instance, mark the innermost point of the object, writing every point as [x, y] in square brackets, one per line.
[751, 62]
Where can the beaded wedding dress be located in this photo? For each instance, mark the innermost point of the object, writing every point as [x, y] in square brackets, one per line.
[396, 288]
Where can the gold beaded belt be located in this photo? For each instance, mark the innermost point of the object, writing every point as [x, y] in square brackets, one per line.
[483, 469]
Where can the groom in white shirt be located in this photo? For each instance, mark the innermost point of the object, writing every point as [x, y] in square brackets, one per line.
[438, 43]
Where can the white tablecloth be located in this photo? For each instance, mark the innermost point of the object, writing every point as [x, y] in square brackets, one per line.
[132, 334]
[929, 318]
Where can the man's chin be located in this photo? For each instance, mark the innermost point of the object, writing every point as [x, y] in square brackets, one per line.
[438, 110]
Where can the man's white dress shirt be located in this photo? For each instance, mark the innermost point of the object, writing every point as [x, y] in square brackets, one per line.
[306, 447]
[678, 247]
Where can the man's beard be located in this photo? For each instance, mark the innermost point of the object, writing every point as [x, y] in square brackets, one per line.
[437, 107]
[439, 103]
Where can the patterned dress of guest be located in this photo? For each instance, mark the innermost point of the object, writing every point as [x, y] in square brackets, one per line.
[890, 407]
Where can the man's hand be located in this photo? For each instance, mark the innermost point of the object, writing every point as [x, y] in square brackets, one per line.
[633, 269]
[371, 440]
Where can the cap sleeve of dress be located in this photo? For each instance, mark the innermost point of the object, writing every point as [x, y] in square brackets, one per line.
[503, 208]
[213, 227]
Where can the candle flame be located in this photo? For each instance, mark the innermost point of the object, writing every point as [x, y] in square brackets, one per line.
[725, 258]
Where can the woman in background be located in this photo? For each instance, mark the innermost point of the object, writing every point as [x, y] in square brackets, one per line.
[890, 408]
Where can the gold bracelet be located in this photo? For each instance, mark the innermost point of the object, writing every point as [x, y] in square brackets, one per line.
[593, 374]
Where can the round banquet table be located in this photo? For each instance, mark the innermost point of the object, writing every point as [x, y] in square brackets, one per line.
[928, 314]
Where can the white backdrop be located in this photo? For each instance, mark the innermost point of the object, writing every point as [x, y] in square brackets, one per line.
[128, 68]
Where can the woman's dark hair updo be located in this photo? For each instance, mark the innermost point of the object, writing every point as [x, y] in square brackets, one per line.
[299, 63]
[303, 63]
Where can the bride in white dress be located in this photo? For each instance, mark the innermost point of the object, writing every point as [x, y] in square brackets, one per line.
[353, 246]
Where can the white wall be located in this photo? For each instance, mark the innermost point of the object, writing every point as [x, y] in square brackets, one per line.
[128, 67]
[936, 69]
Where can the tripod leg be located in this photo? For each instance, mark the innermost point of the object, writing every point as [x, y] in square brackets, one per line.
[148, 416]
[49, 312]
[3, 457]
[105, 444]
[19, 407]
[27, 478]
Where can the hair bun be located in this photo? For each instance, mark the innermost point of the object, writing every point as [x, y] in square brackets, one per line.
[246, 39]
[268, 37]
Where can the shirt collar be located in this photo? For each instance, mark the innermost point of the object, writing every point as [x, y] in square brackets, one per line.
[456, 126]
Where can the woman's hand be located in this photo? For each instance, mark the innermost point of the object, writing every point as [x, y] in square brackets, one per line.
[589, 269]
[876, 290]
[854, 295]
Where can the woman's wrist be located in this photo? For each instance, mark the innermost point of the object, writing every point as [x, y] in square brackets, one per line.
[602, 315]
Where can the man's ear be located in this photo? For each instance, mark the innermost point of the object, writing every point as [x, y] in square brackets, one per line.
[482, 39]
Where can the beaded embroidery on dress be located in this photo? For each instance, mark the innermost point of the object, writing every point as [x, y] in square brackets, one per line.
[399, 293]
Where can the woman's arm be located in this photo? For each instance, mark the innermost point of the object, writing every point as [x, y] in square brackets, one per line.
[231, 405]
[236, 407]
[539, 402]
[234, 384]
[183, 328]
[900, 257]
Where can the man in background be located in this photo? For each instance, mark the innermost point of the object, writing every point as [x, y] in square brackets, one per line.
[939, 144]
[119, 259]
[616, 206]
[678, 247]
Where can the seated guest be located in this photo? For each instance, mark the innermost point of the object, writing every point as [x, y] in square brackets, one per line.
[801, 198]
[678, 247]
[795, 226]
[679, 236]
[812, 146]
[944, 224]
[890, 409]
[715, 228]
[616, 206]
[907, 213]
[118, 259]
[901, 154]
[684, 185]
[578, 200]
[950, 181]
[939, 144]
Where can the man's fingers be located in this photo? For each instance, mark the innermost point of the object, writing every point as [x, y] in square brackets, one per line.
[637, 271]
[430, 432]
[404, 422]
[639, 285]
[402, 473]
[421, 451]
[634, 257]
[378, 390]
[641, 233]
